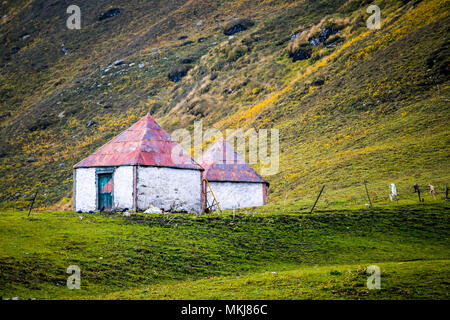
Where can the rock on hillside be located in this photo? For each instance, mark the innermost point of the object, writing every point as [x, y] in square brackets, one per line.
[237, 25]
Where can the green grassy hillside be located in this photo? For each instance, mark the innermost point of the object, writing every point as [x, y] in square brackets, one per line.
[250, 255]
[366, 104]
[400, 280]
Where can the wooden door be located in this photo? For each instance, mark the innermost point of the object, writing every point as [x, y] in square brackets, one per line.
[105, 189]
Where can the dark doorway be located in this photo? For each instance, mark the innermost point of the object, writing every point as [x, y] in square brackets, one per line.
[105, 188]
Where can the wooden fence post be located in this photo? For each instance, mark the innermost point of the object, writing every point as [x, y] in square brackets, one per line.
[417, 189]
[317, 199]
[32, 203]
[367, 192]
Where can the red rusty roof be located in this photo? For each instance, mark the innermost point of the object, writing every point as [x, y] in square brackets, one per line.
[145, 143]
[223, 163]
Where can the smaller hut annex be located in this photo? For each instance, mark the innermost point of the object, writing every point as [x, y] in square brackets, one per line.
[136, 170]
[234, 182]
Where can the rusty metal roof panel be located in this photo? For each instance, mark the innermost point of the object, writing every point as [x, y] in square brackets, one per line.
[145, 143]
[222, 163]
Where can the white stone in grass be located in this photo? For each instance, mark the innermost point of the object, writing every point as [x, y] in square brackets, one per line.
[153, 209]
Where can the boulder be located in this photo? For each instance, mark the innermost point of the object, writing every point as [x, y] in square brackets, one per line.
[153, 209]
[109, 14]
[322, 37]
[39, 124]
[237, 25]
[318, 83]
[300, 54]
[188, 42]
[179, 72]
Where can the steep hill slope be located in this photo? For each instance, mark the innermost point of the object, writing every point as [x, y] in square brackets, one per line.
[356, 104]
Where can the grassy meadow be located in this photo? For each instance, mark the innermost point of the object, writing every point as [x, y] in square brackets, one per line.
[250, 254]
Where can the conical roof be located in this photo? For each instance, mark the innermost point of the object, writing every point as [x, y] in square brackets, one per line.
[145, 143]
[222, 163]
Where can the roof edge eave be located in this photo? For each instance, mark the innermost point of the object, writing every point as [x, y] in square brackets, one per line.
[77, 166]
[238, 181]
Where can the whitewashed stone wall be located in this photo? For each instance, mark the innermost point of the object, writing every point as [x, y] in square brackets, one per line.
[123, 187]
[85, 190]
[236, 194]
[169, 189]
